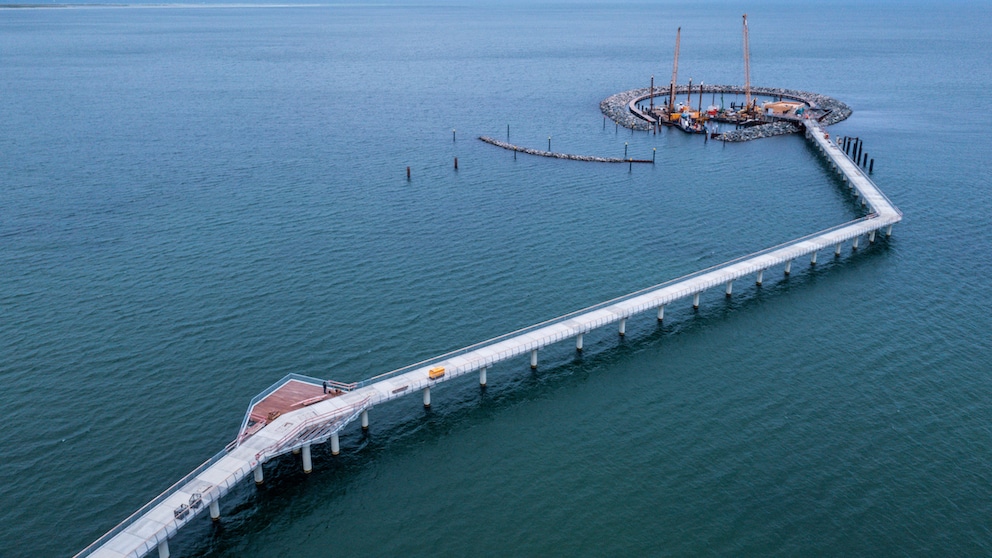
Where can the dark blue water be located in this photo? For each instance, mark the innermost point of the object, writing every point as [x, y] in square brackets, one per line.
[197, 200]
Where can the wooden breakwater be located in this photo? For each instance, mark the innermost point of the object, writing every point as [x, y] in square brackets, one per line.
[552, 154]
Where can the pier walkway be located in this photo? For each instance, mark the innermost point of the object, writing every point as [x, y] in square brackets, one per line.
[289, 424]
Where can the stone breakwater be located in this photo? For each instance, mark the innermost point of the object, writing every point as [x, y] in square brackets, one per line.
[554, 155]
[827, 109]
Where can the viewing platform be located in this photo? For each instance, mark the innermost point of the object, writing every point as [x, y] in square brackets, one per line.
[299, 411]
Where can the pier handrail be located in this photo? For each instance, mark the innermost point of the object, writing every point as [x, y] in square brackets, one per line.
[318, 420]
[605, 304]
[154, 502]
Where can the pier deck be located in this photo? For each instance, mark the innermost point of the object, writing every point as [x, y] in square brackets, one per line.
[298, 426]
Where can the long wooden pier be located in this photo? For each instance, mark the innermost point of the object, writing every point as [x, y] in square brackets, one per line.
[300, 411]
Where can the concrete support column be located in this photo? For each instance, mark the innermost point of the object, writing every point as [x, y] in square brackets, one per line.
[661, 313]
[730, 287]
[215, 510]
[335, 444]
[888, 231]
[259, 479]
[533, 359]
[482, 376]
[623, 327]
[854, 245]
[788, 267]
[163, 549]
[578, 342]
[695, 301]
[365, 420]
[837, 251]
[761, 274]
[427, 397]
[812, 259]
[307, 461]
[871, 237]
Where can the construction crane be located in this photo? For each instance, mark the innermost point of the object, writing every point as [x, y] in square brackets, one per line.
[747, 70]
[675, 73]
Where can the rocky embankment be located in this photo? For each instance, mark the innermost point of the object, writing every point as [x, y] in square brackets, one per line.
[554, 155]
[826, 109]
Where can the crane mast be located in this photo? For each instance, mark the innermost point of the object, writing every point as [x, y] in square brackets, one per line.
[747, 69]
[675, 73]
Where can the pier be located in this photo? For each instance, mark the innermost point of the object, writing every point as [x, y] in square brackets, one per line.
[555, 155]
[299, 411]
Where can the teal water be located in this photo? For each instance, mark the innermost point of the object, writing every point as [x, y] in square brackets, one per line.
[195, 201]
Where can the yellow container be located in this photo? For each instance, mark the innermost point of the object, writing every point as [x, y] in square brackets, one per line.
[436, 372]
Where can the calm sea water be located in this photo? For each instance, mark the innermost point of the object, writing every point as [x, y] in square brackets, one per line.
[197, 200]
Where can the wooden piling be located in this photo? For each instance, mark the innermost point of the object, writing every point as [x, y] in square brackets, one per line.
[871, 166]
[456, 163]
[408, 174]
